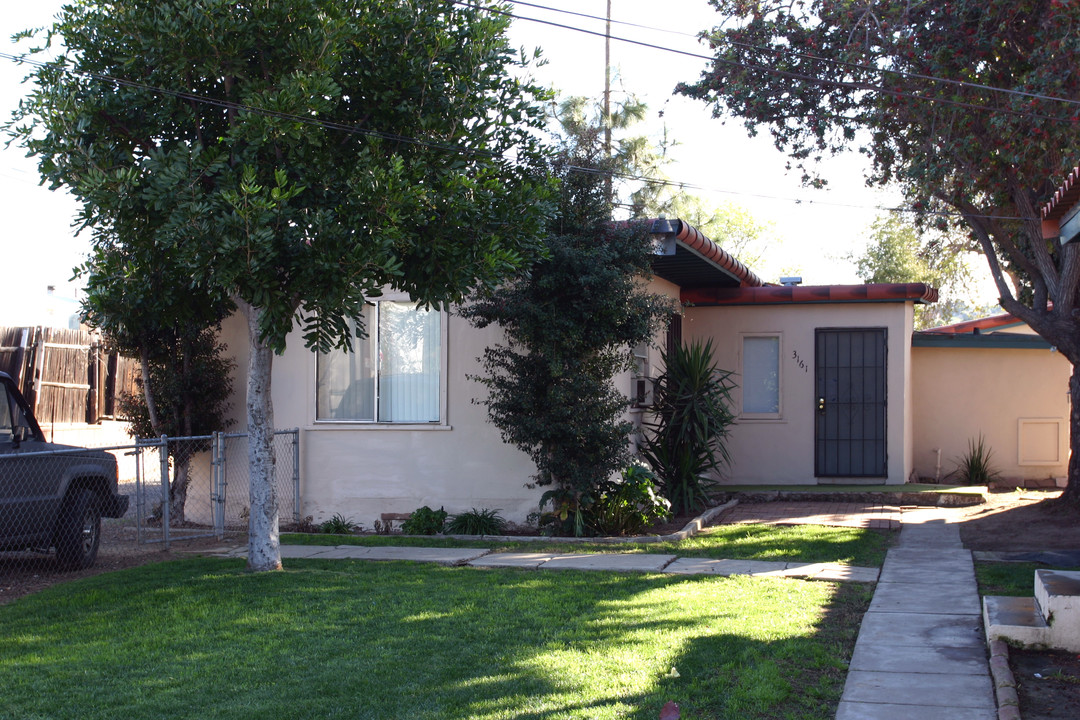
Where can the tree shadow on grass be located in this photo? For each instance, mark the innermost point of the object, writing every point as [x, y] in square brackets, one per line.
[343, 639]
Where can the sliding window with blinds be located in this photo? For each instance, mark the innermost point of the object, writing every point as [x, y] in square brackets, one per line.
[391, 376]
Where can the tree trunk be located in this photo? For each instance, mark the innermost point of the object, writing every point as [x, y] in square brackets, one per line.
[1071, 496]
[264, 550]
[178, 491]
[148, 391]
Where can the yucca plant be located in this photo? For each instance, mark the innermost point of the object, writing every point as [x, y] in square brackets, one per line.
[684, 438]
[339, 525]
[974, 467]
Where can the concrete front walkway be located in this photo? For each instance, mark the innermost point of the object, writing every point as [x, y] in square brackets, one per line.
[616, 562]
[921, 652]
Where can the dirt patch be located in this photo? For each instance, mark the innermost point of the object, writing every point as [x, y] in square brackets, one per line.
[1016, 521]
[24, 573]
[1048, 683]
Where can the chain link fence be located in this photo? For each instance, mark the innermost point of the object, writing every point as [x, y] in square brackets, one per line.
[60, 511]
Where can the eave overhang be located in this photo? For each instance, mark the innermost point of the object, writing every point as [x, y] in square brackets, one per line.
[811, 294]
[689, 259]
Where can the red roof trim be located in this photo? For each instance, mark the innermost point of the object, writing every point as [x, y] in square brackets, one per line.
[697, 241]
[986, 323]
[785, 295]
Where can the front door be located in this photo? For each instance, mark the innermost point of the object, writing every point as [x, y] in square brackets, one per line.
[850, 403]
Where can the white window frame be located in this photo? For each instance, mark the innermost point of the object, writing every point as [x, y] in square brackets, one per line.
[348, 424]
[771, 416]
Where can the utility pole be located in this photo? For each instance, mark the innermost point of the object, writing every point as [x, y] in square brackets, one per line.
[607, 103]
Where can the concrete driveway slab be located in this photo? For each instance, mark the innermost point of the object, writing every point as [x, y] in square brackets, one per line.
[882, 711]
[846, 573]
[919, 659]
[921, 630]
[618, 562]
[943, 599]
[918, 690]
[442, 556]
[708, 566]
[519, 560]
[925, 577]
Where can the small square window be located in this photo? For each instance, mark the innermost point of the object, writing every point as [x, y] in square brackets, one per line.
[761, 375]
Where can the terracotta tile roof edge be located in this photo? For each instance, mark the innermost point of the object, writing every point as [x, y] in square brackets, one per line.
[985, 323]
[782, 294]
[1064, 198]
[700, 243]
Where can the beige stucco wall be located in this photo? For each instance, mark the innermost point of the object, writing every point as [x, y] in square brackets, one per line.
[1017, 399]
[362, 470]
[781, 450]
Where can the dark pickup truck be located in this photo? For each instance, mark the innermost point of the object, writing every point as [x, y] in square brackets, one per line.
[51, 495]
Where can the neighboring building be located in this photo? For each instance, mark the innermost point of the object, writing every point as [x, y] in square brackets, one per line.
[995, 378]
[827, 394]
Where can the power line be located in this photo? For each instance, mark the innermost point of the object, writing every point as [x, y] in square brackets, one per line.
[341, 127]
[839, 84]
[779, 52]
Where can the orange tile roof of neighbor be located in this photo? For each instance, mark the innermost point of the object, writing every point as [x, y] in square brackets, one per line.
[991, 322]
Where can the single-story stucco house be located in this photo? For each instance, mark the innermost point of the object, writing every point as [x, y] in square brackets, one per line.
[834, 388]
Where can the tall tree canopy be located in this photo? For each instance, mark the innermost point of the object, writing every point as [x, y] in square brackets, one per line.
[298, 155]
[571, 324]
[961, 103]
[898, 252]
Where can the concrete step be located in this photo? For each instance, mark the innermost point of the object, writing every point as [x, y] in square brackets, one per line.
[1057, 594]
[1050, 619]
[1016, 620]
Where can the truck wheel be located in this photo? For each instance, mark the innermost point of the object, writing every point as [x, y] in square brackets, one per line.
[78, 531]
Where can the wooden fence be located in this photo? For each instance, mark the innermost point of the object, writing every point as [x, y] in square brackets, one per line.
[65, 375]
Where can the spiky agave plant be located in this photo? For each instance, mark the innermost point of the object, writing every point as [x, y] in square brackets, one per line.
[685, 436]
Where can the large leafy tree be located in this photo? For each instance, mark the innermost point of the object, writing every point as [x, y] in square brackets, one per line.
[298, 155]
[958, 102]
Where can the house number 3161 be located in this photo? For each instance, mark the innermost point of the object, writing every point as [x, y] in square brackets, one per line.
[799, 361]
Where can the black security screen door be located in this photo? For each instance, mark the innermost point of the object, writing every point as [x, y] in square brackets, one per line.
[850, 403]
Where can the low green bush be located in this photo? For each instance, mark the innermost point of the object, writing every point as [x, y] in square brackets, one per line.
[631, 505]
[425, 521]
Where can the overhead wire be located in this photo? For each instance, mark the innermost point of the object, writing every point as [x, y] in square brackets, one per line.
[314, 121]
[866, 87]
[788, 52]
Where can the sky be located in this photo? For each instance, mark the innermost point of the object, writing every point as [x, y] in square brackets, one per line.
[815, 230]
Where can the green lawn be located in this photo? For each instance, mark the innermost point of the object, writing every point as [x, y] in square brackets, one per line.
[350, 639]
[792, 543]
[1009, 579]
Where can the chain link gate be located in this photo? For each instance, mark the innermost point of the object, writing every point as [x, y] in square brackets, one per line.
[198, 487]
